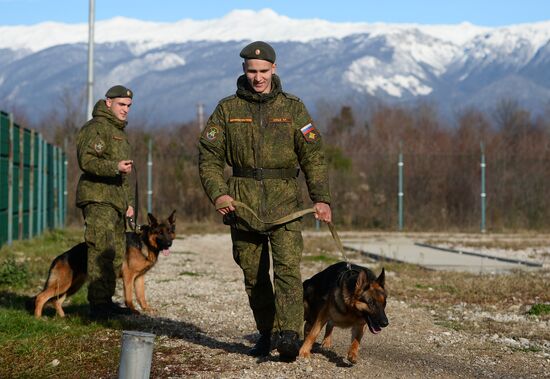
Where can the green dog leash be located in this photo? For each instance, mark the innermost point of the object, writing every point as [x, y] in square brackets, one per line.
[288, 218]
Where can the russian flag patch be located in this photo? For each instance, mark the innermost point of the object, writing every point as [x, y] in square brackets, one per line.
[309, 132]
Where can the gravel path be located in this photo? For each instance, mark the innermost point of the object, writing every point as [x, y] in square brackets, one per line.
[204, 328]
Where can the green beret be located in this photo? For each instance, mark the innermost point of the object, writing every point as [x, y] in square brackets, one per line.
[258, 50]
[119, 91]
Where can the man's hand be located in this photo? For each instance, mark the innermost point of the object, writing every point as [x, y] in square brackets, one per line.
[323, 212]
[130, 211]
[228, 201]
[125, 167]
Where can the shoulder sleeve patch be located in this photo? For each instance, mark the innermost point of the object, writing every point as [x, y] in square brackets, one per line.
[99, 145]
[211, 133]
[310, 133]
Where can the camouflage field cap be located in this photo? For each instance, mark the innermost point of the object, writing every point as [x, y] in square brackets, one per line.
[119, 91]
[259, 50]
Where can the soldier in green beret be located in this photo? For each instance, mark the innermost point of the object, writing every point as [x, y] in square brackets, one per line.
[266, 136]
[105, 197]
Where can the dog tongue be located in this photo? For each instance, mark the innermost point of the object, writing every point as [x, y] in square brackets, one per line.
[166, 252]
[374, 330]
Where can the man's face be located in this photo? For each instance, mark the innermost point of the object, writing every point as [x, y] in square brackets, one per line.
[259, 74]
[120, 106]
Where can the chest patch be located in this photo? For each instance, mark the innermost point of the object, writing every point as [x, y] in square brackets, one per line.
[245, 119]
[118, 138]
[310, 133]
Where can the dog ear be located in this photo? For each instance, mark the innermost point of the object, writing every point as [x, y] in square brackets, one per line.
[152, 220]
[381, 278]
[172, 217]
[361, 283]
[346, 295]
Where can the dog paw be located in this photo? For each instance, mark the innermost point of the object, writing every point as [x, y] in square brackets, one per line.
[352, 358]
[150, 311]
[304, 354]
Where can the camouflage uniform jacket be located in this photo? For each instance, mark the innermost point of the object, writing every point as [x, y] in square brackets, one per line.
[251, 130]
[101, 144]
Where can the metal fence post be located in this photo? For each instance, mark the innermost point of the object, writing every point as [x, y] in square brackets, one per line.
[483, 193]
[149, 176]
[59, 187]
[65, 193]
[10, 180]
[40, 181]
[400, 194]
[45, 187]
[55, 189]
[21, 183]
[31, 187]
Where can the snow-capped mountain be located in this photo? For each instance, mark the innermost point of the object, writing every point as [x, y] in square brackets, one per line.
[173, 66]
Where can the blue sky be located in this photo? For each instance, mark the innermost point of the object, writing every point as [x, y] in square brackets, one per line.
[479, 12]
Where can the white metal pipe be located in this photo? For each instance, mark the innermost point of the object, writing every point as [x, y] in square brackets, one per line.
[136, 355]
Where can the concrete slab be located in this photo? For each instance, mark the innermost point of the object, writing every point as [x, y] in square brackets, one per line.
[403, 249]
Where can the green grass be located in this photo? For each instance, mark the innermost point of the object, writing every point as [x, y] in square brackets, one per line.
[539, 309]
[454, 325]
[28, 346]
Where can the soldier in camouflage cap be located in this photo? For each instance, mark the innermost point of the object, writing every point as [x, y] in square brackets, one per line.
[265, 135]
[105, 197]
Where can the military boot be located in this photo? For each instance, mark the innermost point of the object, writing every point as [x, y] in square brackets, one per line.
[288, 345]
[262, 348]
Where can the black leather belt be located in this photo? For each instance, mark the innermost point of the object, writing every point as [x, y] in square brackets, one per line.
[266, 173]
[116, 180]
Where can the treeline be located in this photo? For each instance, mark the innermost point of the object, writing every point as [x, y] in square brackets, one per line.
[442, 173]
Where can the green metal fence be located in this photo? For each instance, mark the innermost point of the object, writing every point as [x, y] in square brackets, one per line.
[33, 182]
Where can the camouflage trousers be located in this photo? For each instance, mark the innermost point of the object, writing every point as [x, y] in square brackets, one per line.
[106, 242]
[278, 306]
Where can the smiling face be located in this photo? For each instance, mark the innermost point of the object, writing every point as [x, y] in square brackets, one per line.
[120, 106]
[259, 74]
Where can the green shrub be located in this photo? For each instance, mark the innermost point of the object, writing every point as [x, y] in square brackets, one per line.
[13, 273]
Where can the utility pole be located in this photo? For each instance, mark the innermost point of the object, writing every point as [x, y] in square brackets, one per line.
[200, 115]
[483, 192]
[91, 20]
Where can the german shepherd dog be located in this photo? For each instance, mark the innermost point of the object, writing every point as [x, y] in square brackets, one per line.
[69, 271]
[348, 297]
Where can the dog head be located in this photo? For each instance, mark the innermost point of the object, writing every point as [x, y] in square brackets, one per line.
[368, 298]
[161, 234]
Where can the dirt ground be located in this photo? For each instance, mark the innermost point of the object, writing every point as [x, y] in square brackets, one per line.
[204, 328]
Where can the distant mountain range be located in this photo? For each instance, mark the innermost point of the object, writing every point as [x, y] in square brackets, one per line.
[173, 66]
